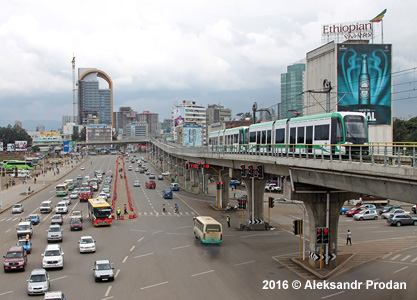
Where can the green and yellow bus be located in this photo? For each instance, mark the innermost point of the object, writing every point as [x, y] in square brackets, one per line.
[61, 189]
[208, 230]
[70, 184]
[20, 165]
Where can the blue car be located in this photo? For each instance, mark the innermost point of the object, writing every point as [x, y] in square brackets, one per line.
[167, 194]
[343, 211]
[34, 219]
[26, 244]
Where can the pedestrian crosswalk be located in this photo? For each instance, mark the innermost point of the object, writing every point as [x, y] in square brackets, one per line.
[160, 214]
[401, 258]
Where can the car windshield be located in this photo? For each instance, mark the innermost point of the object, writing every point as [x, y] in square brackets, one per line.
[54, 229]
[37, 278]
[22, 242]
[23, 227]
[87, 241]
[17, 206]
[56, 217]
[52, 253]
[75, 221]
[76, 214]
[17, 254]
[103, 267]
[33, 217]
[212, 228]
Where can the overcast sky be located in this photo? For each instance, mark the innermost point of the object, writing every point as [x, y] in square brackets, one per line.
[161, 52]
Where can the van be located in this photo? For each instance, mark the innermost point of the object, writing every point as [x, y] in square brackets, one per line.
[46, 207]
[24, 228]
[174, 186]
[207, 230]
[54, 296]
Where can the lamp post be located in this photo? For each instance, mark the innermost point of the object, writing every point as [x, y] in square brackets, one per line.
[304, 217]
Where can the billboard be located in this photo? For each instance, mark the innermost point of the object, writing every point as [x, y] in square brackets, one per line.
[10, 147]
[364, 81]
[66, 146]
[49, 134]
[20, 145]
[192, 136]
[73, 146]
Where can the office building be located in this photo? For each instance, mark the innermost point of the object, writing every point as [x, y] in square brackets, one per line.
[292, 87]
[151, 119]
[189, 112]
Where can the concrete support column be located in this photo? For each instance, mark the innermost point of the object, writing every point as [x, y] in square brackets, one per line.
[225, 191]
[256, 207]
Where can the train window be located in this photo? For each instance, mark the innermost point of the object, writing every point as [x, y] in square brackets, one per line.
[337, 131]
[241, 139]
[292, 135]
[236, 138]
[252, 137]
[321, 132]
[300, 135]
[258, 137]
[263, 138]
[280, 136]
[268, 137]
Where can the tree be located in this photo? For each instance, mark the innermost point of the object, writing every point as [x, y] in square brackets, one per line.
[75, 136]
[35, 149]
[11, 134]
[405, 131]
[83, 134]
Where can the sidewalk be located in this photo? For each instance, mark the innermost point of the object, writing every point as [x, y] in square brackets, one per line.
[19, 192]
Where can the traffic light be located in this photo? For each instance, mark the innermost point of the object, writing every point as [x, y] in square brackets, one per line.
[243, 204]
[260, 172]
[250, 171]
[240, 204]
[325, 235]
[243, 171]
[221, 185]
[199, 165]
[218, 185]
[319, 235]
[187, 165]
[271, 202]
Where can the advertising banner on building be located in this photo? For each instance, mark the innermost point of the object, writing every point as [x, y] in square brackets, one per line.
[364, 80]
[73, 146]
[1, 145]
[179, 117]
[192, 136]
[66, 146]
[21, 145]
[49, 134]
[10, 147]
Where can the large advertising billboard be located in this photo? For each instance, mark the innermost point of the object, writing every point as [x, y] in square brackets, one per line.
[192, 136]
[49, 134]
[364, 80]
[66, 146]
[10, 147]
[20, 145]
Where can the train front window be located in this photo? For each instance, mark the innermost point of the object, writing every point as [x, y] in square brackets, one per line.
[355, 129]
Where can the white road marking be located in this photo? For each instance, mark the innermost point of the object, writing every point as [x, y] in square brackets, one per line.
[117, 273]
[8, 230]
[147, 254]
[405, 258]
[124, 260]
[244, 263]
[180, 247]
[414, 260]
[107, 298]
[176, 233]
[59, 278]
[138, 230]
[256, 235]
[202, 273]
[325, 297]
[184, 227]
[131, 249]
[149, 286]
[9, 219]
[395, 257]
[108, 291]
[158, 231]
[140, 239]
[399, 270]
[5, 293]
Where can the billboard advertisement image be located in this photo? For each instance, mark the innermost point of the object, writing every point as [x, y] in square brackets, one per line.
[10, 147]
[66, 146]
[192, 136]
[21, 145]
[364, 80]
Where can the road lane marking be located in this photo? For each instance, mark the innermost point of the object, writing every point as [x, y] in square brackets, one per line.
[158, 231]
[107, 292]
[184, 227]
[325, 297]
[140, 239]
[180, 247]
[117, 273]
[176, 233]
[255, 235]
[8, 230]
[124, 260]
[5, 293]
[395, 257]
[399, 270]
[414, 260]
[202, 273]
[9, 219]
[143, 255]
[405, 258]
[244, 263]
[107, 298]
[150, 286]
[58, 278]
[138, 230]
[131, 249]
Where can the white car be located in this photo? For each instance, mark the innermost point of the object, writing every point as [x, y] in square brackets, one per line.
[103, 270]
[87, 244]
[136, 183]
[67, 200]
[368, 214]
[166, 173]
[137, 170]
[129, 168]
[53, 257]
[103, 195]
[61, 208]
[393, 212]
[17, 208]
[82, 168]
[74, 195]
[107, 191]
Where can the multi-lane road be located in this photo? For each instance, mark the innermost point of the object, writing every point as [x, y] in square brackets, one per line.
[156, 256]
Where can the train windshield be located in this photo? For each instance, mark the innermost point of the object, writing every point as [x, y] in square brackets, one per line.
[356, 129]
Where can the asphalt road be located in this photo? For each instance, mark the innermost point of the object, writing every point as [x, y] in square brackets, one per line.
[156, 256]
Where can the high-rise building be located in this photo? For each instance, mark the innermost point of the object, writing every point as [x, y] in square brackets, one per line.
[66, 119]
[189, 112]
[217, 114]
[292, 87]
[123, 118]
[93, 101]
[40, 127]
[151, 119]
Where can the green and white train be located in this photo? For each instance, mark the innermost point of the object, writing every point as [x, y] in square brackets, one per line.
[339, 133]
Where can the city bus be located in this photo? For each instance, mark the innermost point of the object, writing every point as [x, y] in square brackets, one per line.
[69, 183]
[61, 189]
[99, 212]
[20, 165]
[33, 160]
[207, 230]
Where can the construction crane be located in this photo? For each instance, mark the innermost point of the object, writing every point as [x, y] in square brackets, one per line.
[73, 89]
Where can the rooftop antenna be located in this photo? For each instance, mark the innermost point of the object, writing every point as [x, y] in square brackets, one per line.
[73, 89]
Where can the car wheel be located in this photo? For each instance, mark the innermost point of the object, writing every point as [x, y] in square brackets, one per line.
[415, 223]
[376, 218]
[398, 224]
[96, 279]
[360, 219]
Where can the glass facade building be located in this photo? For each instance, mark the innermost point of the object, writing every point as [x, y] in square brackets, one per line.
[292, 87]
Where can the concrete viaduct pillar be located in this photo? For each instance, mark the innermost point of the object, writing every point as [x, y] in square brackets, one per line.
[256, 207]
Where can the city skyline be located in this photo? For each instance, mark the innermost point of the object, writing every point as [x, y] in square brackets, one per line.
[158, 55]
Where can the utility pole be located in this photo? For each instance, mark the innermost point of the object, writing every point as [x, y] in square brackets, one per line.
[73, 89]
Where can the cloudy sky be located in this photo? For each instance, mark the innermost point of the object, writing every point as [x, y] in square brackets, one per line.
[160, 52]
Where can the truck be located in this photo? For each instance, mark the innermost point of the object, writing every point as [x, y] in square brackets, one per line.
[94, 183]
[85, 193]
[368, 199]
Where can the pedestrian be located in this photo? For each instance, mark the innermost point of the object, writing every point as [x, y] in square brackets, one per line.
[34, 180]
[228, 221]
[349, 238]
[125, 209]
[115, 196]
[118, 213]
[163, 208]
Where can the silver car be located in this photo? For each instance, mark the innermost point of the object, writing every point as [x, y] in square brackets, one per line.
[103, 271]
[38, 282]
[368, 214]
[54, 233]
[17, 208]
